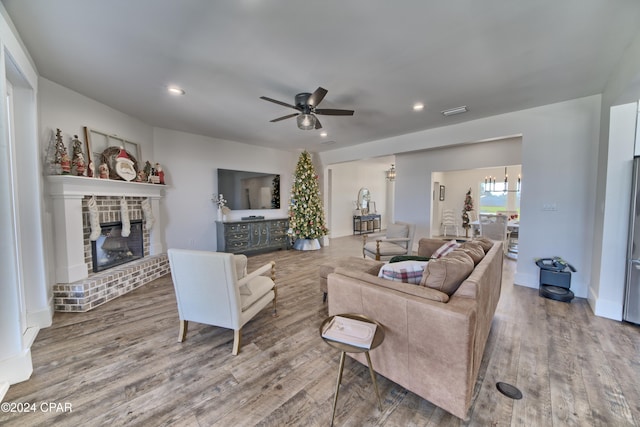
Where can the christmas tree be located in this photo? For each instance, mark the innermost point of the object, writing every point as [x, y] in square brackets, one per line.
[306, 216]
[275, 192]
[468, 206]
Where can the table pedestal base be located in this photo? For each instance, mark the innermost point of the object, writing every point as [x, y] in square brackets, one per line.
[341, 369]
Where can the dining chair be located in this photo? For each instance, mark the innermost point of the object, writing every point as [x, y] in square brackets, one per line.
[449, 220]
[494, 227]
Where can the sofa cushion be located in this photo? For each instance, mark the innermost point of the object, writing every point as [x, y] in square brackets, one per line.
[365, 265]
[445, 249]
[403, 271]
[473, 249]
[484, 242]
[406, 288]
[447, 273]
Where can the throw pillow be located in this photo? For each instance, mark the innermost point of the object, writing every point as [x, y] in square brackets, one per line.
[474, 250]
[240, 262]
[485, 242]
[445, 249]
[447, 273]
[404, 271]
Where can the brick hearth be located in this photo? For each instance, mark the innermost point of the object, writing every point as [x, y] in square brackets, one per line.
[101, 287]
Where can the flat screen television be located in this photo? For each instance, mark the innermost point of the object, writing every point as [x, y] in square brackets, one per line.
[245, 190]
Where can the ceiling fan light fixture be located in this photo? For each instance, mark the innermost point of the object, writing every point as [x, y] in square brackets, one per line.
[454, 111]
[306, 121]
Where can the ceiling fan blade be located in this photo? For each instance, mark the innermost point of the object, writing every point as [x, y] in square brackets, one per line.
[284, 117]
[333, 112]
[318, 124]
[275, 101]
[317, 97]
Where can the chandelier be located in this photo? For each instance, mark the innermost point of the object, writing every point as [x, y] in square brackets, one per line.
[391, 173]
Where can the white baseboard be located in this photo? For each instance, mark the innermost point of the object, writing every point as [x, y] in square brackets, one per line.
[17, 368]
[528, 280]
[4, 387]
[604, 308]
[42, 318]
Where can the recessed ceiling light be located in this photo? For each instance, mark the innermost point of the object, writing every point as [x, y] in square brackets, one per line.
[418, 106]
[175, 90]
[323, 134]
[453, 111]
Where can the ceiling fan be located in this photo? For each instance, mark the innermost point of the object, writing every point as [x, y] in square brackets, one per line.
[306, 104]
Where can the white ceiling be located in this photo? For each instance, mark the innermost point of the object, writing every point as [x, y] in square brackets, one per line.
[377, 57]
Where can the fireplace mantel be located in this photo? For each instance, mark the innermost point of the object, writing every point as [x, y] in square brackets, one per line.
[69, 185]
[67, 192]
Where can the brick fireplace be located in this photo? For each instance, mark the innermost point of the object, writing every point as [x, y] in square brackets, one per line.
[78, 288]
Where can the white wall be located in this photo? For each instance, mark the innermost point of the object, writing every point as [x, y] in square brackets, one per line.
[457, 183]
[70, 111]
[558, 157]
[614, 175]
[348, 179]
[191, 175]
[23, 298]
[415, 206]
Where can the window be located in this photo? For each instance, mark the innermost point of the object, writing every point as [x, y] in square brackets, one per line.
[496, 199]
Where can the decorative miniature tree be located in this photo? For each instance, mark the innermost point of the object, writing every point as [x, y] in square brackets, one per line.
[59, 159]
[306, 214]
[275, 192]
[77, 157]
[468, 206]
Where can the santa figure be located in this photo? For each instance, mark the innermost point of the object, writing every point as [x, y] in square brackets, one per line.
[125, 166]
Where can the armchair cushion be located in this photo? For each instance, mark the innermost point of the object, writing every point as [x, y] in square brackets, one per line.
[258, 287]
[404, 271]
[395, 231]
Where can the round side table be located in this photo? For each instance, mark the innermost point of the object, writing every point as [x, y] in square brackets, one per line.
[348, 348]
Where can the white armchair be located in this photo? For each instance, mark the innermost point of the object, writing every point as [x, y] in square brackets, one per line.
[210, 291]
[398, 240]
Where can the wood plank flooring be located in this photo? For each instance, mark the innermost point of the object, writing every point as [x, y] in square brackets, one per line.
[121, 364]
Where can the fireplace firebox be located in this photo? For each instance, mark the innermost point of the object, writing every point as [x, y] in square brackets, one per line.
[112, 249]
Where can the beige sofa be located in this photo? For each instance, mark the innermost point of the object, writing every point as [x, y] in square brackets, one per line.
[433, 342]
